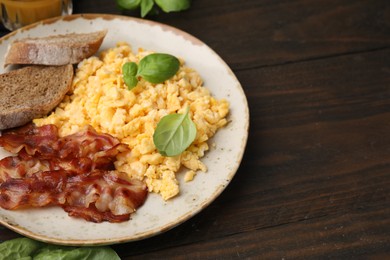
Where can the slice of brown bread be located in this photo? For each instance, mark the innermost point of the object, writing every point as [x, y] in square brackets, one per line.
[55, 50]
[32, 92]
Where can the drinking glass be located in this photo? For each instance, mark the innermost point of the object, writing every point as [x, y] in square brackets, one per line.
[18, 13]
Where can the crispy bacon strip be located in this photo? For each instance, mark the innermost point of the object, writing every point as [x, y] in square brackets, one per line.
[16, 167]
[25, 166]
[74, 172]
[41, 189]
[93, 215]
[95, 196]
[44, 142]
[40, 149]
[107, 196]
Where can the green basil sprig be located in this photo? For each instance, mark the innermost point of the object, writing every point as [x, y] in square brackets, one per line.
[129, 71]
[174, 134]
[146, 7]
[128, 4]
[173, 5]
[155, 68]
[158, 67]
[149, 7]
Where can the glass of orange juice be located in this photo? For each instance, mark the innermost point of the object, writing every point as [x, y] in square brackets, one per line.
[18, 13]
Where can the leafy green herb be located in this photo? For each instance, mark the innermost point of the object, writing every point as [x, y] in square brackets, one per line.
[158, 67]
[149, 7]
[173, 5]
[155, 68]
[146, 7]
[19, 248]
[174, 134]
[129, 71]
[25, 248]
[73, 253]
[129, 4]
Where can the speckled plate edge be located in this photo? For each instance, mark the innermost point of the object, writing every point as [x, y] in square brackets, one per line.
[183, 217]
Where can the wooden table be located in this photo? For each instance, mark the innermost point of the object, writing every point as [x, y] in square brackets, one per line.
[315, 179]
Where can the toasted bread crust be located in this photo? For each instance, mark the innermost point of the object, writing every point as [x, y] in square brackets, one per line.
[32, 92]
[55, 50]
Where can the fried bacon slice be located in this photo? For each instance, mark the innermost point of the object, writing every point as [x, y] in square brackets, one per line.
[39, 190]
[75, 172]
[41, 140]
[16, 167]
[95, 196]
[40, 148]
[45, 142]
[107, 196]
[25, 166]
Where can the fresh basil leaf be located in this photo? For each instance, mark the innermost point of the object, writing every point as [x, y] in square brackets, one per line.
[173, 5]
[19, 248]
[129, 69]
[174, 134]
[129, 4]
[130, 82]
[146, 7]
[129, 72]
[158, 67]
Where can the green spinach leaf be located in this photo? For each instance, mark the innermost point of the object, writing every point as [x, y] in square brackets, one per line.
[28, 249]
[19, 248]
[174, 134]
[73, 253]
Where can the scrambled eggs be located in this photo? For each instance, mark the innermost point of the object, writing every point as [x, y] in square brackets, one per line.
[100, 98]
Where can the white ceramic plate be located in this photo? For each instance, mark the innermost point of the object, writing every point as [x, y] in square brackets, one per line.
[155, 216]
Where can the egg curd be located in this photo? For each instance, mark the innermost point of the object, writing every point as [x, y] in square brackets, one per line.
[100, 98]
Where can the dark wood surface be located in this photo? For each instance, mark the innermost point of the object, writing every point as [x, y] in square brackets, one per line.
[315, 179]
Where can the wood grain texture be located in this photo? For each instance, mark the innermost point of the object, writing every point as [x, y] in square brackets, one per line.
[351, 235]
[255, 33]
[263, 33]
[315, 179]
